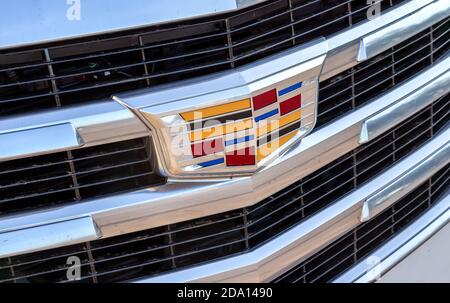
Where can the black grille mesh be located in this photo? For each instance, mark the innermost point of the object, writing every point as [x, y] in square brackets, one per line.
[75, 71]
[192, 242]
[359, 84]
[341, 254]
[71, 176]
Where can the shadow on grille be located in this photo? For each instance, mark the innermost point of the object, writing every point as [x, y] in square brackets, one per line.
[192, 242]
[71, 176]
[365, 81]
[341, 254]
[68, 72]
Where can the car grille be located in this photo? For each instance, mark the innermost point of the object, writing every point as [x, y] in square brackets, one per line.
[80, 70]
[174, 246]
[365, 81]
[71, 176]
[343, 253]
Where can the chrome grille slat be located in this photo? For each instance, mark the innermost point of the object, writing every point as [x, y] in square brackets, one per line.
[391, 155]
[298, 186]
[292, 38]
[155, 262]
[71, 176]
[292, 24]
[334, 254]
[439, 181]
[420, 204]
[92, 68]
[441, 184]
[414, 201]
[73, 160]
[293, 213]
[366, 237]
[76, 187]
[297, 199]
[104, 54]
[334, 266]
[356, 86]
[379, 58]
[172, 232]
[358, 174]
[140, 64]
[289, 11]
[76, 174]
[79, 187]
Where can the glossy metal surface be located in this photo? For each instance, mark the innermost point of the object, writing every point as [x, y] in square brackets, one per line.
[375, 43]
[401, 245]
[288, 249]
[49, 20]
[344, 47]
[85, 125]
[401, 186]
[48, 236]
[38, 140]
[381, 122]
[184, 200]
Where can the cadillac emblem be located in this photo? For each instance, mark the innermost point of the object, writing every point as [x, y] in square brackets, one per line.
[216, 127]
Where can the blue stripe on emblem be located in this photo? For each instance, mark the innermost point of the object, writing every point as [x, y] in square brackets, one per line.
[212, 162]
[238, 140]
[287, 90]
[267, 115]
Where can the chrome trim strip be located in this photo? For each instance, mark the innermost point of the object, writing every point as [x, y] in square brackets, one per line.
[93, 124]
[400, 246]
[379, 41]
[184, 200]
[38, 140]
[397, 189]
[49, 21]
[48, 236]
[381, 122]
[344, 47]
[270, 260]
